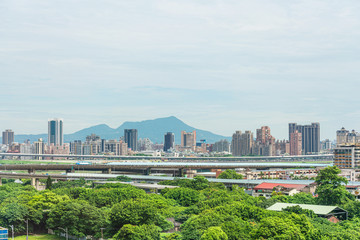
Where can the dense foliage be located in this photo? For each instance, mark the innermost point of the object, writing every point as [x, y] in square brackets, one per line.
[204, 210]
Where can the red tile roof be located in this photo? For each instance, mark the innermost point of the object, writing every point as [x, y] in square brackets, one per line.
[270, 186]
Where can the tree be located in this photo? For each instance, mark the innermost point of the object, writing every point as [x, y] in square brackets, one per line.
[330, 188]
[183, 196]
[214, 233]
[143, 232]
[79, 217]
[230, 174]
[277, 228]
[48, 183]
[136, 212]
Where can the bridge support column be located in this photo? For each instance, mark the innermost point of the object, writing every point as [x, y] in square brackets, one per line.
[33, 182]
[181, 172]
[70, 170]
[148, 171]
[108, 171]
[37, 183]
[31, 171]
[0, 181]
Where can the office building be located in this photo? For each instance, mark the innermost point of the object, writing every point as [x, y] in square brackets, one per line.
[55, 132]
[131, 138]
[169, 141]
[295, 143]
[188, 140]
[7, 137]
[310, 136]
[347, 156]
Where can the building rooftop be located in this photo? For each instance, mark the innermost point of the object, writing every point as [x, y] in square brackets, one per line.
[269, 186]
[318, 209]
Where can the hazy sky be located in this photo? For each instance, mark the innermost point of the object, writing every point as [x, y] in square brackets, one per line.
[217, 65]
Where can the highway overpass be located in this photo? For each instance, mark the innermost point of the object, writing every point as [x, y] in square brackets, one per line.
[147, 167]
[324, 157]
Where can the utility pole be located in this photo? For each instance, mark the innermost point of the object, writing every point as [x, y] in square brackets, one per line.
[27, 228]
[12, 231]
[102, 234]
[66, 232]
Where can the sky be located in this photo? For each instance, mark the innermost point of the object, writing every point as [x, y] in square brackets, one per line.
[217, 65]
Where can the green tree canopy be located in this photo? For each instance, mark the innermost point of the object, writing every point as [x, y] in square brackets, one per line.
[214, 233]
[79, 217]
[142, 232]
[330, 188]
[230, 174]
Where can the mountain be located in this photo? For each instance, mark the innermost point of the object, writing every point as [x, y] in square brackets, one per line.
[152, 129]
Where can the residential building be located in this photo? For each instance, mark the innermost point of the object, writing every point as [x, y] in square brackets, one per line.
[347, 156]
[39, 147]
[295, 143]
[344, 136]
[169, 141]
[7, 137]
[188, 140]
[282, 147]
[310, 135]
[242, 143]
[221, 146]
[131, 138]
[55, 132]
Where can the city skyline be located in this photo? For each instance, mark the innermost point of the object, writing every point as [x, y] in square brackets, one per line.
[244, 64]
[286, 137]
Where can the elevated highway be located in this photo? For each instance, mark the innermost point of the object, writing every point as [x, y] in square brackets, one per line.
[122, 166]
[324, 157]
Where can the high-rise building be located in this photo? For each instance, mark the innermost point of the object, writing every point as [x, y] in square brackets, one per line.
[55, 132]
[310, 136]
[347, 156]
[265, 143]
[295, 143]
[7, 137]
[188, 140]
[242, 143]
[221, 146]
[131, 138]
[169, 141]
[344, 136]
[236, 144]
[39, 148]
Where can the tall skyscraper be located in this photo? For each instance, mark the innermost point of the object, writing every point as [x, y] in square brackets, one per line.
[7, 137]
[310, 136]
[295, 143]
[242, 143]
[188, 140]
[169, 140]
[131, 138]
[55, 132]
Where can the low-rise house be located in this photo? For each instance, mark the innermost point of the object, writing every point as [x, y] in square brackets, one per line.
[332, 213]
[265, 189]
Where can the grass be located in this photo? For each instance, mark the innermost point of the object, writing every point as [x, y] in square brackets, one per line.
[38, 237]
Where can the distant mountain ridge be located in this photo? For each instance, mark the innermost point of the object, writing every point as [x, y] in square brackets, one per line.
[152, 129]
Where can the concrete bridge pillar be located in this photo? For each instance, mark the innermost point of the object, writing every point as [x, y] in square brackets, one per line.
[0, 181]
[33, 182]
[70, 170]
[31, 171]
[181, 172]
[37, 183]
[108, 171]
[148, 171]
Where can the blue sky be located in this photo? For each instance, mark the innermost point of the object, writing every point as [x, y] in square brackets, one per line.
[217, 65]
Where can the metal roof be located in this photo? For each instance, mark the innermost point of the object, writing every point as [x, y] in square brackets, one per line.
[318, 209]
